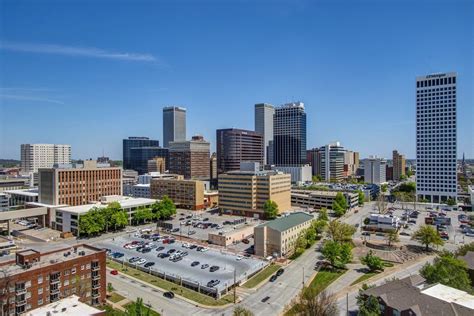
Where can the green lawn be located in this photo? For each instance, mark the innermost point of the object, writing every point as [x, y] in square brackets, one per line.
[170, 286]
[364, 277]
[325, 277]
[152, 312]
[262, 275]
[115, 297]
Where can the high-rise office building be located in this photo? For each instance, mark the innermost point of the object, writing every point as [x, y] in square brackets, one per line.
[332, 162]
[135, 142]
[34, 156]
[289, 135]
[157, 164]
[139, 157]
[436, 137]
[174, 125]
[351, 163]
[264, 125]
[399, 164]
[375, 170]
[190, 158]
[235, 146]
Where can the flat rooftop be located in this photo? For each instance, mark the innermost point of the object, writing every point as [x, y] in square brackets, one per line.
[125, 202]
[450, 295]
[69, 306]
[25, 192]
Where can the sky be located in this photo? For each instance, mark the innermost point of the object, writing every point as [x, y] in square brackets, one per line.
[90, 73]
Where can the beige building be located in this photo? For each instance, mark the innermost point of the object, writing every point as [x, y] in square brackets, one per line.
[187, 194]
[190, 158]
[156, 164]
[277, 237]
[319, 199]
[227, 238]
[399, 164]
[78, 186]
[245, 192]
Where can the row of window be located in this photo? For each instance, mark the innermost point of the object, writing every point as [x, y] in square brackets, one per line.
[435, 82]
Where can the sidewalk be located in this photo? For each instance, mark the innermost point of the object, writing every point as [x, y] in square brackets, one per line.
[347, 278]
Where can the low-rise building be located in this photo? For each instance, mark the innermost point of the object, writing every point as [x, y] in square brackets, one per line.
[229, 236]
[277, 237]
[4, 202]
[21, 197]
[187, 194]
[36, 278]
[383, 222]
[299, 174]
[68, 306]
[469, 260]
[316, 199]
[137, 190]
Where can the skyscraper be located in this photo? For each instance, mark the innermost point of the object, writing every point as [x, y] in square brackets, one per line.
[190, 158]
[139, 157]
[375, 170]
[289, 135]
[234, 146]
[332, 162]
[135, 142]
[436, 137]
[399, 164]
[174, 125]
[34, 156]
[264, 125]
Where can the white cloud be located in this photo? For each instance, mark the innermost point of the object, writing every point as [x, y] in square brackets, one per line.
[28, 98]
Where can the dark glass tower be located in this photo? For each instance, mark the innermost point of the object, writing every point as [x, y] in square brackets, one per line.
[135, 142]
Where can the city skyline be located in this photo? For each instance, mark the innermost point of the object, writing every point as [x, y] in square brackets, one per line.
[100, 89]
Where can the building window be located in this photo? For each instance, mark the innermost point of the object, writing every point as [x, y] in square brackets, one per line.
[40, 279]
[40, 290]
[40, 301]
[395, 312]
[73, 270]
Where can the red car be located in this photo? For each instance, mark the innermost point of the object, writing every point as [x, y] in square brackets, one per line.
[114, 272]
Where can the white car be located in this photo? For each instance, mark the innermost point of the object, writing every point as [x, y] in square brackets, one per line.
[470, 234]
[239, 257]
[141, 261]
[186, 245]
[204, 249]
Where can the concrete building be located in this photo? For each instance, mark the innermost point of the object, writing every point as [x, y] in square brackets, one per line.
[230, 236]
[237, 145]
[187, 194]
[299, 174]
[137, 190]
[277, 237]
[14, 184]
[436, 137]
[399, 165]
[141, 155]
[4, 202]
[470, 190]
[213, 171]
[37, 278]
[35, 156]
[351, 163]
[289, 135]
[321, 199]
[313, 159]
[331, 168]
[412, 296]
[135, 142]
[382, 222]
[374, 170]
[67, 218]
[68, 306]
[174, 125]
[245, 192]
[157, 164]
[78, 186]
[190, 158]
[264, 113]
[21, 197]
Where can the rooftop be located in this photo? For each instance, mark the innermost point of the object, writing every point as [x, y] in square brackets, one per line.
[68, 306]
[124, 201]
[284, 223]
[469, 259]
[450, 295]
[25, 192]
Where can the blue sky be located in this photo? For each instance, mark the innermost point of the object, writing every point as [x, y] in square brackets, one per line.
[90, 73]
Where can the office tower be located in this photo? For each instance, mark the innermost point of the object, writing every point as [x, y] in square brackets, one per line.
[34, 156]
[174, 125]
[157, 164]
[374, 170]
[351, 163]
[399, 164]
[331, 162]
[235, 146]
[135, 142]
[139, 157]
[436, 136]
[289, 135]
[313, 157]
[190, 158]
[77, 186]
[264, 125]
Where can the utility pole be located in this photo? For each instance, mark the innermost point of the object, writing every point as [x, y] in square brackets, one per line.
[235, 286]
[302, 283]
[347, 303]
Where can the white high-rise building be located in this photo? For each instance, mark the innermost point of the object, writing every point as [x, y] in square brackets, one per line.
[436, 136]
[34, 156]
[375, 170]
[264, 125]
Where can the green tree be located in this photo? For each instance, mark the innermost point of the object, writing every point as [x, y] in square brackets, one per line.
[361, 198]
[319, 226]
[92, 222]
[464, 249]
[339, 206]
[270, 209]
[451, 202]
[312, 303]
[373, 262]
[384, 187]
[317, 178]
[323, 214]
[241, 311]
[427, 236]
[340, 232]
[447, 270]
[392, 237]
[368, 304]
[142, 215]
[403, 177]
[338, 254]
[119, 219]
[168, 207]
[137, 308]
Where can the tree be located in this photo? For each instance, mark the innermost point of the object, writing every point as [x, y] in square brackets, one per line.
[451, 202]
[339, 231]
[373, 262]
[361, 198]
[392, 237]
[384, 187]
[92, 222]
[319, 226]
[368, 304]
[142, 214]
[119, 219]
[339, 206]
[338, 254]
[381, 204]
[447, 270]
[317, 178]
[270, 209]
[241, 311]
[312, 303]
[137, 308]
[427, 235]
[464, 249]
[323, 214]
[168, 208]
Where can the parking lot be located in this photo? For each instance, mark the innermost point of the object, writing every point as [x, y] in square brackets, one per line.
[193, 276]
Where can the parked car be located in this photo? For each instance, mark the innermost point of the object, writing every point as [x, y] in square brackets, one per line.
[149, 264]
[239, 257]
[214, 268]
[141, 261]
[280, 272]
[114, 272]
[273, 278]
[266, 298]
[194, 263]
[245, 241]
[171, 251]
[169, 295]
[160, 248]
[205, 266]
[191, 232]
[192, 247]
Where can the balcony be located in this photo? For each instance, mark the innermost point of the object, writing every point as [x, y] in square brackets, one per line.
[54, 281]
[20, 302]
[20, 290]
[96, 295]
[95, 276]
[95, 286]
[95, 267]
[54, 291]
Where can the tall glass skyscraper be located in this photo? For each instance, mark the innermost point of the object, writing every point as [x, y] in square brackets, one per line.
[289, 135]
[135, 142]
[174, 125]
[436, 137]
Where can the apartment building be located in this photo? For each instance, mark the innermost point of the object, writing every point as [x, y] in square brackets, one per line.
[37, 278]
[321, 199]
[187, 194]
[399, 165]
[277, 237]
[80, 185]
[35, 156]
[190, 158]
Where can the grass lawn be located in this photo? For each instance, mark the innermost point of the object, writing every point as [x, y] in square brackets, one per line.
[170, 286]
[262, 275]
[364, 277]
[115, 297]
[152, 312]
[325, 277]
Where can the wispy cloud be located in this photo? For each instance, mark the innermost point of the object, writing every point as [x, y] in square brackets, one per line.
[75, 51]
[29, 98]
